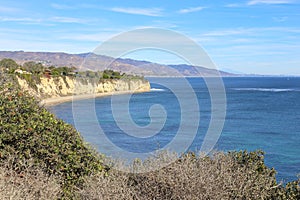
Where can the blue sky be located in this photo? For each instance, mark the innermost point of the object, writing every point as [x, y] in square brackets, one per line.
[250, 36]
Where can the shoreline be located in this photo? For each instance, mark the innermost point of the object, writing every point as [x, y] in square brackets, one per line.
[58, 100]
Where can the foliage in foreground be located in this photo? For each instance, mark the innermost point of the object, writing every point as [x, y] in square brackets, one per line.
[30, 183]
[30, 132]
[235, 175]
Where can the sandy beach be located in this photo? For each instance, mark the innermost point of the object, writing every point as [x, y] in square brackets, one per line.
[58, 100]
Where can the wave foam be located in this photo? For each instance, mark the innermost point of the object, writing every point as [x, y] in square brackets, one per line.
[265, 89]
[156, 90]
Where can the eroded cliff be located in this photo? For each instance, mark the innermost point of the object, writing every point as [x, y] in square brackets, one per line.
[67, 86]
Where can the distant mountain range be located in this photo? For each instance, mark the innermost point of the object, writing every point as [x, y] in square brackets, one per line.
[92, 61]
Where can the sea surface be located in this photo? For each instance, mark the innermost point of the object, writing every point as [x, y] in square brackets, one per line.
[261, 113]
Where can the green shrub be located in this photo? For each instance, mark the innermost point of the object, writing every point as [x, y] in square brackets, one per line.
[29, 131]
[34, 68]
[8, 65]
[110, 74]
[105, 76]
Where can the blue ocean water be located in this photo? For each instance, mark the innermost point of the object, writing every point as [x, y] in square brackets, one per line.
[261, 113]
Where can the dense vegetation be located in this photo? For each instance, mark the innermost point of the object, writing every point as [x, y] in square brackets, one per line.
[235, 175]
[30, 132]
[34, 71]
[44, 158]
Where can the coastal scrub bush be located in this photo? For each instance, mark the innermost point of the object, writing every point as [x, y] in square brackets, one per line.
[30, 183]
[110, 74]
[28, 131]
[235, 175]
[33, 67]
[8, 65]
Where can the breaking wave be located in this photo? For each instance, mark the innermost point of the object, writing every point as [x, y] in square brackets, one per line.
[156, 90]
[266, 89]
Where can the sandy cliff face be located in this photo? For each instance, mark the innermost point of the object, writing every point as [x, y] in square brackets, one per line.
[66, 86]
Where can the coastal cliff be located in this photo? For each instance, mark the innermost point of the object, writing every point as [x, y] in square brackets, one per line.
[68, 86]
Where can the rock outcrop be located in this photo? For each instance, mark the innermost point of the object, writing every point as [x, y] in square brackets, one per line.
[68, 86]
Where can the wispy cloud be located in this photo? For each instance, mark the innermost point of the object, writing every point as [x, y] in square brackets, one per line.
[255, 2]
[228, 32]
[154, 12]
[5, 9]
[249, 31]
[20, 19]
[57, 19]
[68, 20]
[189, 10]
[61, 6]
[233, 5]
[76, 6]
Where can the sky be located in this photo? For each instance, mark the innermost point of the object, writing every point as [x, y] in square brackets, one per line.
[246, 36]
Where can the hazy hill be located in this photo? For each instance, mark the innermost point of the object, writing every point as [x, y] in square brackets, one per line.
[92, 61]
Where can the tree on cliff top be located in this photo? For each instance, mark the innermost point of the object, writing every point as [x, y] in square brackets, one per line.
[8, 65]
[33, 67]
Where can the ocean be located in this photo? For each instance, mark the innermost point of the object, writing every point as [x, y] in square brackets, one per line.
[184, 114]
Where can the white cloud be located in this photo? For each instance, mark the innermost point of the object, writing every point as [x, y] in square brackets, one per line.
[189, 10]
[154, 12]
[20, 19]
[61, 6]
[76, 6]
[255, 2]
[249, 31]
[68, 20]
[8, 9]
[233, 5]
[228, 32]
[44, 21]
